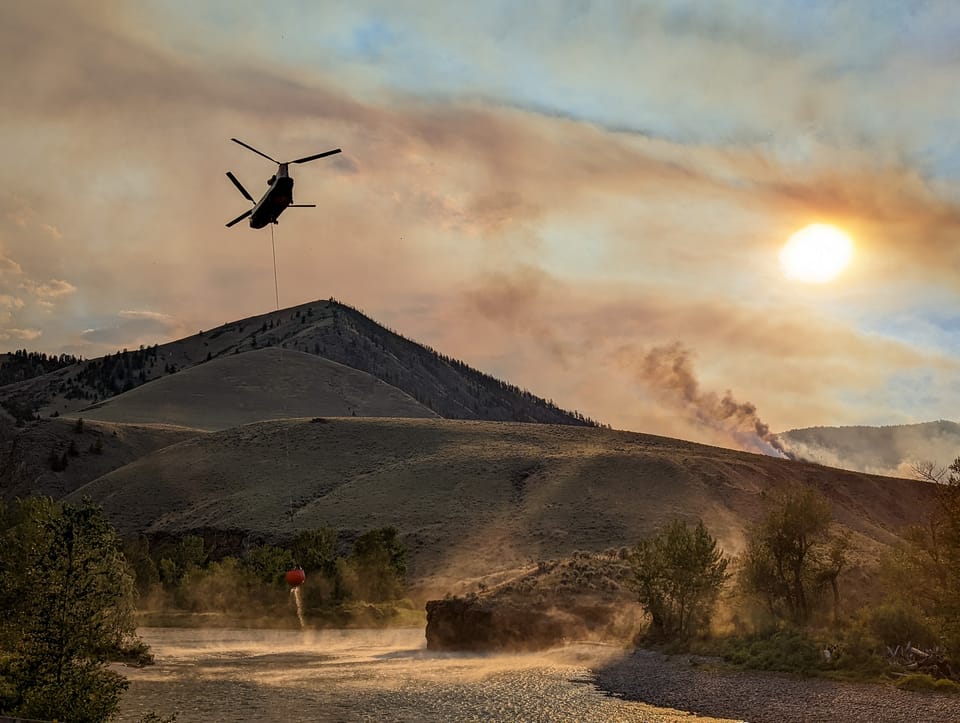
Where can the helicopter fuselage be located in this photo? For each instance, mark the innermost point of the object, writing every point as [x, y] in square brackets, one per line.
[273, 203]
[279, 195]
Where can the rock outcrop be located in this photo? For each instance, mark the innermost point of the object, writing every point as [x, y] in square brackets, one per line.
[575, 599]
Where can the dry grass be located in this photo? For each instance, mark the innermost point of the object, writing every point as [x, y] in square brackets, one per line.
[25, 453]
[256, 386]
[477, 500]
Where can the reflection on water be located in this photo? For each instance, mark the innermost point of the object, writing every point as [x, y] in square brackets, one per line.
[359, 675]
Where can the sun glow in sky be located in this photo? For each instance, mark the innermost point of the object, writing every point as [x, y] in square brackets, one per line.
[548, 191]
[816, 254]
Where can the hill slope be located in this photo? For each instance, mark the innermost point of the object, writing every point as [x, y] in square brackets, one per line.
[254, 386]
[889, 450]
[475, 498]
[26, 453]
[325, 328]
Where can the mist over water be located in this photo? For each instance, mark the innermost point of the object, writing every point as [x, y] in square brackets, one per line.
[359, 675]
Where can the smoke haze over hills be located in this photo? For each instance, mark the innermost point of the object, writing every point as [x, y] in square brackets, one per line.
[892, 450]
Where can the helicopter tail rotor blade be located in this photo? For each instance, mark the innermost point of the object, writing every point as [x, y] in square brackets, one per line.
[319, 155]
[238, 219]
[251, 148]
[240, 187]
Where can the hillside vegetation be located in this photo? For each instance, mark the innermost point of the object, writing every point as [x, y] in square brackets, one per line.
[56, 456]
[473, 499]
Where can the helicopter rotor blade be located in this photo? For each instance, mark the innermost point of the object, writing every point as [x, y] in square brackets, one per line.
[238, 219]
[240, 187]
[319, 155]
[259, 153]
[302, 205]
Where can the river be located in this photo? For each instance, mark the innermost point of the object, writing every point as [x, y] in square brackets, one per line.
[366, 675]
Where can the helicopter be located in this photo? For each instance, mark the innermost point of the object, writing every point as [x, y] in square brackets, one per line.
[279, 195]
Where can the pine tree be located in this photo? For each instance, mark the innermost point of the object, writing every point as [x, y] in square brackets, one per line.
[69, 602]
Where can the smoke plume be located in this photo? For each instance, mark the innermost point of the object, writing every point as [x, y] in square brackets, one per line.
[667, 371]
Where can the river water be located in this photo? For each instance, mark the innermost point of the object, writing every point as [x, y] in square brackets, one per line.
[366, 675]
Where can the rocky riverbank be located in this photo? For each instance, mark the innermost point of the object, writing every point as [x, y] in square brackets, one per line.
[707, 688]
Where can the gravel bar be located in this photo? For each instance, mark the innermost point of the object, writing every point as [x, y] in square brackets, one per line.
[702, 686]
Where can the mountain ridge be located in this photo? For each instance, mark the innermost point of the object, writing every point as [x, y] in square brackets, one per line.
[330, 329]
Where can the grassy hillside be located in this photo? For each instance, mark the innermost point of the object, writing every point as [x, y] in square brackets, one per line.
[258, 385]
[476, 498]
[324, 328]
[27, 453]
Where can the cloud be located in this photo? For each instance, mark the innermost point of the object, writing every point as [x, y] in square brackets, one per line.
[134, 327]
[9, 267]
[20, 334]
[52, 289]
[155, 316]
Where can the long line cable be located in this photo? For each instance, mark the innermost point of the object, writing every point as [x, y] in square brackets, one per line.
[276, 286]
[283, 403]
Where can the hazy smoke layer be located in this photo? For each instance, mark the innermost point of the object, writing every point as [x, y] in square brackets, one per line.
[892, 450]
[668, 372]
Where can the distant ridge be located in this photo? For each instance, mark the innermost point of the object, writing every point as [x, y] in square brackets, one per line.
[889, 450]
[330, 329]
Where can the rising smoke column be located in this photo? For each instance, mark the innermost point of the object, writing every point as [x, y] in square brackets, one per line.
[667, 371]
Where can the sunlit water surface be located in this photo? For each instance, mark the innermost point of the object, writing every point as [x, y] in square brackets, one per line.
[360, 675]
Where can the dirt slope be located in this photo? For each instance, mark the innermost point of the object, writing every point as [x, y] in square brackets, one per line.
[475, 498]
[255, 386]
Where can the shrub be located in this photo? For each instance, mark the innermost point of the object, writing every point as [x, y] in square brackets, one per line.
[897, 623]
[786, 650]
[926, 683]
[678, 574]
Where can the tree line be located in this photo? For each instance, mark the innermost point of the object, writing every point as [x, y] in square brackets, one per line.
[22, 365]
[185, 575]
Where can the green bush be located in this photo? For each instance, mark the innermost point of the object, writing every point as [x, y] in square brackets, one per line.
[786, 650]
[946, 686]
[927, 683]
[897, 623]
[677, 574]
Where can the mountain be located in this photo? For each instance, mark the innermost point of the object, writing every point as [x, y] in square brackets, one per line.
[892, 450]
[473, 499]
[254, 386]
[328, 329]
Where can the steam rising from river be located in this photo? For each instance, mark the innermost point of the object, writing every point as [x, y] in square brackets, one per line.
[269, 675]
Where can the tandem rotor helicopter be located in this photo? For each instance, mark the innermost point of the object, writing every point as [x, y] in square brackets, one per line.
[279, 195]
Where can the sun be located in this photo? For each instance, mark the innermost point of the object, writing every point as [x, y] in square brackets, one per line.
[816, 254]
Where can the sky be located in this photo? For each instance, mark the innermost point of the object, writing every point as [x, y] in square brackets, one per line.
[587, 199]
